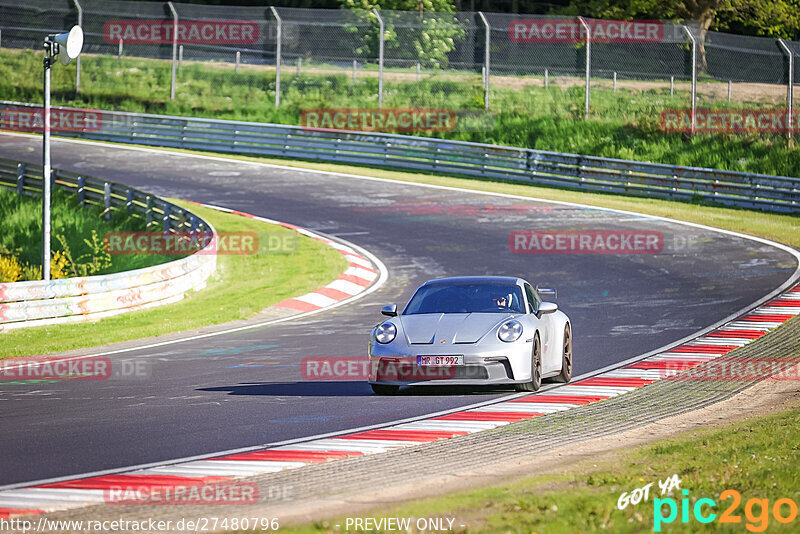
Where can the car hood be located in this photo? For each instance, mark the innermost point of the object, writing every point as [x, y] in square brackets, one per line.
[428, 328]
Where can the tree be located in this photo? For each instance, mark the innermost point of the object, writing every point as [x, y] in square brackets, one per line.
[774, 18]
[424, 37]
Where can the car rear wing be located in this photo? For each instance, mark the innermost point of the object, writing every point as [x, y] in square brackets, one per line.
[546, 291]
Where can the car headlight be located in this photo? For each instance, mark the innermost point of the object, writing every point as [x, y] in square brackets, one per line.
[386, 332]
[509, 331]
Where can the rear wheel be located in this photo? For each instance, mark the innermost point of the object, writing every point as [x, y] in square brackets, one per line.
[384, 389]
[566, 359]
[536, 368]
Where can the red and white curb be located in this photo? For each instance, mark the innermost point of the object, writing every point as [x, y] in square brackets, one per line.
[80, 492]
[361, 273]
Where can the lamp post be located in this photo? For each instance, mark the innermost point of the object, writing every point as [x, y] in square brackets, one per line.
[67, 46]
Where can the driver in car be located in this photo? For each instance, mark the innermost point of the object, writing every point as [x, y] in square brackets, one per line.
[501, 302]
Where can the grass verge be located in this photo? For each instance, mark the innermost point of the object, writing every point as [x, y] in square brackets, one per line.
[623, 124]
[756, 458]
[72, 227]
[242, 286]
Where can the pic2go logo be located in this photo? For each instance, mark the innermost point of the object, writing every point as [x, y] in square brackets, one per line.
[756, 511]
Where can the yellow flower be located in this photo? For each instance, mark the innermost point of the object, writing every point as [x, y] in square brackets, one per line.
[10, 270]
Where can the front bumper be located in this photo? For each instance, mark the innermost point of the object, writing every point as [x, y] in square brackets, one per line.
[499, 365]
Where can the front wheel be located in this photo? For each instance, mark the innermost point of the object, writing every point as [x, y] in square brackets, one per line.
[384, 389]
[566, 360]
[536, 368]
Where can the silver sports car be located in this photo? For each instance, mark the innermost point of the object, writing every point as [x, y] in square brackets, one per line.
[482, 330]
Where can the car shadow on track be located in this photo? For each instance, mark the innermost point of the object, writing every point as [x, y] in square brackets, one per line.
[347, 389]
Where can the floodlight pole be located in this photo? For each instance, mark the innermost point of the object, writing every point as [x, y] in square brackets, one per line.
[50, 50]
[78, 64]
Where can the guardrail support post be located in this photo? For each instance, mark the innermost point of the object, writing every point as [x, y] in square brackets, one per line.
[588, 64]
[278, 40]
[78, 60]
[546, 78]
[20, 178]
[487, 52]
[238, 59]
[81, 190]
[381, 29]
[166, 221]
[694, 75]
[180, 57]
[789, 91]
[174, 48]
[107, 200]
[129, 201]
[148, 211]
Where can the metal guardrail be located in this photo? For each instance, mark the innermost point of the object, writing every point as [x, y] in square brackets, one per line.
[38, 302]
[459, 158]
[27, 179]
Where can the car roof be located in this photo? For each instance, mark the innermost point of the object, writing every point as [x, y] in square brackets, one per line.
[505, 280]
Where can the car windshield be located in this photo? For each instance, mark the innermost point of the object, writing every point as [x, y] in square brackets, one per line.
[466, 298]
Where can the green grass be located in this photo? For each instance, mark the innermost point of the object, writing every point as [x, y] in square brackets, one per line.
[21, 234]
[757, 458]
[624, 124]
[242, 286]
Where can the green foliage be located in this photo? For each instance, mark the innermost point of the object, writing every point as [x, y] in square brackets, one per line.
[74, 228]
[96, 260]
[771, 18]
[426, 32]
[624, 124]
[242, 286]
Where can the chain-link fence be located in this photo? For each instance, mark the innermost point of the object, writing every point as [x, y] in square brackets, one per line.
[304, 59]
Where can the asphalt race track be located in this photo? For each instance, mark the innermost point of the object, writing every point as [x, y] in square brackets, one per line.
[199, 398]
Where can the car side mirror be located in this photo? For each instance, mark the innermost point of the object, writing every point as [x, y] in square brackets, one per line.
[390, 310]
[545, 308]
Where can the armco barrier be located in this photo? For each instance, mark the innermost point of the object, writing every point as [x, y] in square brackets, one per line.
[758, 191]
[37, 303]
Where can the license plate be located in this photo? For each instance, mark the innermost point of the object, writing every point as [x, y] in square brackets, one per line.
[441, 361]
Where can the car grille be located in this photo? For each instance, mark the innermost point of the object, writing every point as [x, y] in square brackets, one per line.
[388, 370]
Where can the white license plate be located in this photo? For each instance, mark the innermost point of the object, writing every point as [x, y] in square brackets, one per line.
[441, 361]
